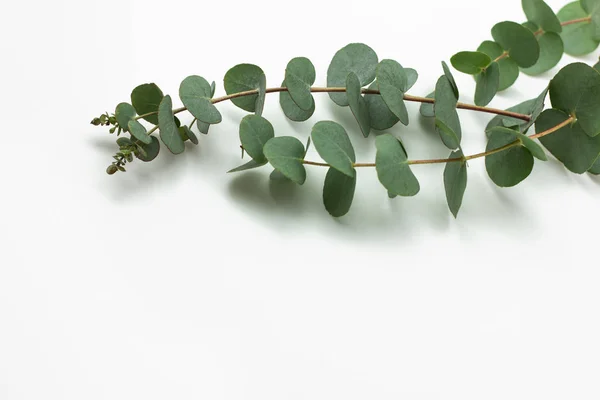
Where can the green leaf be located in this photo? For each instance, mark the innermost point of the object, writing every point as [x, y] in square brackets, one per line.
[151, 150]
[487, 85]
[576, 150]
[447, 122]
[451, 80]
[255, 131]
[455, 182]
[509, 167]
[203, 127]
[138, 131]
[427, 109]
[146, 99]
[187, 134]
[540, 13]
[533, 108]
[411, 78]
[597, 66]
[334, 146]
[576, 91]
[124, 113]
[242, 78]
[592, 7]
[507, 67]
[355, 57]
[123, 142]
[300, 75]
[291, 109]
[262, 96]
[338, 192]
[286, 154]
[578, 38]
[595, 169]
[534, 148]
[195, 93]
[551, 52]
[169, 131]
[470, 62]
[379, 113]
[357, 103]
[518, 41]
[392, 80]
[252, 164]
[392, 167]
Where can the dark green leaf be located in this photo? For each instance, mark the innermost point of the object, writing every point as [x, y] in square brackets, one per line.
[508, 167]
[518, 41]
[357, 103]
[534, 148]
[595, 169]
[151, 150]
[338, 192]
[291, 109]
[146, 99]
[286, 155]
[262, 95]
[592, 7]
[507, 67]
[138, 131]
[578, 38]
[300, 75]
[470, 62]
[576, 150]
[427, 109]
[379, 114]
[541, 14]
[195, 93]
[169, 131]
[242, 78]
[447, 122]
[252, 164]
[451, 80]
[123, 142]
[487, 85]
[392, 80]
[124, 113]
[187, 134]
[455, 182]
[203, 127]
[355, 57]
[551, 52]
[392, 167]
[255, 131]
[576, 91]
[334, 146]
[533, 108]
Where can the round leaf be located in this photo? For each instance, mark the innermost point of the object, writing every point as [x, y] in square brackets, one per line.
[286, 155]
[576, 91]
[356, 57]
[551, 52]
[518, 41]
[535, 149]
[146, 99]
[487, 85]
[509, 167]
[540, 13]
[380, 116]
[357, 103]
[392, 167]
[291, 109]
[507, 67]
[595, 169]
[334, 146]
[392, 80]
[576, 150]
[578, 38]
[138, 131]
[195, 93]
[124, 113]
[151, 150]
[592, 7]
[169, 131]
[411, 78]
[300, 75]
[242, 78]
[427, 109]
[338, 192]
[255, 131]
[470, 62]
[455, 182]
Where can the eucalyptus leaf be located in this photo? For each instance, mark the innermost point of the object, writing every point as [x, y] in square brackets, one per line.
[338, 192]
[242, 78]
[169, 131]
[451, 81]
[124, 113]
[380, 116]
[551, 52]
[286, 154]
[291, 109]
[488, 82]
[447, 122]
[300, 75]
[576, 91]
[255, 131]
[470, 62]
[427, 109]
[411, 78]
[592, 7]
[252, 164]
[541, 14]
[195, 94]
[259, 106]
[150, 151]
[393, 169]
[570, 145]
[578, 38]
[355, 57]
[534, 148]
[203, 127]
[508, 167]
[357, 103]
[392, 80]
[333, 145]
[507, 67]
[138, 131]
[595, 169]
[187, 134]
[518, 41]
[146, 99]
[455, 182]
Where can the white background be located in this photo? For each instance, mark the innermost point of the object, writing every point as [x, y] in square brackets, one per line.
[178, 281]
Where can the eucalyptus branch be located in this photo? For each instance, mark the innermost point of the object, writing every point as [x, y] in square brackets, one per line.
[376, 92]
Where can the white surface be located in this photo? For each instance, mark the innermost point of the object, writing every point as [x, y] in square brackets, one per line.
[177, 281]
